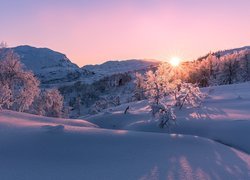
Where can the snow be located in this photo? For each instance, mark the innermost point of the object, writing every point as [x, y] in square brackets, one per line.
[18, 120]
[29, 151]
[224, 117]
[208, 143]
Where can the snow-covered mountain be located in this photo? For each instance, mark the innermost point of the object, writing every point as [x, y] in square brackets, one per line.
[113, 67]
[49, 66]
[54, 68]
[38, 59]
[110, 68]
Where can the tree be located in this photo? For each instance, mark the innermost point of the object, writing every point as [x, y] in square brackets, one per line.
[23, 85]
[189, 94]
[229, 68]
[139, 87]
[159, 83]
[244, 63]
[5, 96]
[49, 103]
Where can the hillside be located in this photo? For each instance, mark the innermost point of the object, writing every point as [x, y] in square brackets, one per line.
[224, 117]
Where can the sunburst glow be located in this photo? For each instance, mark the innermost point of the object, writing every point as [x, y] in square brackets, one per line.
[175, 61]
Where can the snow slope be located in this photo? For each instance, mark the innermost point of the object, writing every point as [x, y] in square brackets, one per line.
[28, 150]
[224, 117]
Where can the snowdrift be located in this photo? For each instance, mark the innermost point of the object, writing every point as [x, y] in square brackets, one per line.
[81, 151]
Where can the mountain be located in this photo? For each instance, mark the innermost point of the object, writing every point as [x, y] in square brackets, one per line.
[113, 67]
[38, 59]
[55, 69]
[49, 66]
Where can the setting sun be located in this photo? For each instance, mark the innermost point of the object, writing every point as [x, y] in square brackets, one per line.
[175, 61]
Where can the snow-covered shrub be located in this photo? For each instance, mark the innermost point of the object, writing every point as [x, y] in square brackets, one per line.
[23, 85]
[156, 108]
[164, 114]
[188, 94]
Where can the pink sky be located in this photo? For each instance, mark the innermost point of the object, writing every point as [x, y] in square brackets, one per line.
[91, 32]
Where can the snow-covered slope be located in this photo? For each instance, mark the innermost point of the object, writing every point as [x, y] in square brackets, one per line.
[32, 148]
[12, 119]
[223, 117]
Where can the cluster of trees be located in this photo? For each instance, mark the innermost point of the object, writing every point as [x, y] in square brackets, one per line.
[19, 89]
[92, 98]
[218, 68]
[181, 84]
[166, 91]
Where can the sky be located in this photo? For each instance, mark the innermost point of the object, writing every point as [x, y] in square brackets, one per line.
[94, 31]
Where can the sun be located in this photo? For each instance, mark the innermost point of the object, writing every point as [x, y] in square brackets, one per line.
[175, 61]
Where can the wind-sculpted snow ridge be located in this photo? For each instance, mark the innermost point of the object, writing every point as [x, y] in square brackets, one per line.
[33, 147]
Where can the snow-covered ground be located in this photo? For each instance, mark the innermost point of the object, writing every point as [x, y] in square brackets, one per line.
[208, 143]
[224, 117]
[33, 147]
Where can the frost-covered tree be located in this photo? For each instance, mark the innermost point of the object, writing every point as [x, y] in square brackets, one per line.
[229, 68]
[23, 85]
[48, 103]
[158, 83]
[3, 45]
[244, 63]
[188, 94]
[139, 87]
[153, 87]
[203, 72]
[5, 96]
